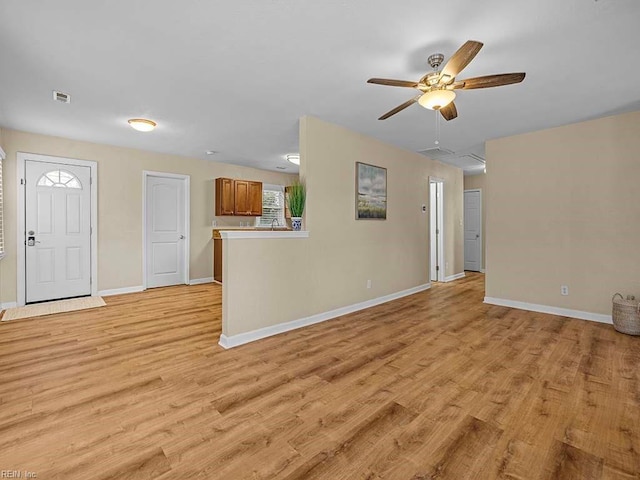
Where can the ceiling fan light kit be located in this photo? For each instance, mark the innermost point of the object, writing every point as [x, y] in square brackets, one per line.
[437, 87]
[436, 99]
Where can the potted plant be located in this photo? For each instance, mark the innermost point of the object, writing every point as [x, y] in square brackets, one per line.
[296, 197]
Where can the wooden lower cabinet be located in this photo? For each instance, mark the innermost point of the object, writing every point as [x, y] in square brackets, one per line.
[217, 259]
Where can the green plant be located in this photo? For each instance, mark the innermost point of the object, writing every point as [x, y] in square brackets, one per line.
[297, 195]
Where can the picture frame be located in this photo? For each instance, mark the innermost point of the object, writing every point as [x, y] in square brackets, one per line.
[371, 192]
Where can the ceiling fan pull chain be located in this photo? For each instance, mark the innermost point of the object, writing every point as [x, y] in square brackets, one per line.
[437, 142]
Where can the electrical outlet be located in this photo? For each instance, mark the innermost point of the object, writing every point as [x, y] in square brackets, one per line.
[368, 283]
[564, 290]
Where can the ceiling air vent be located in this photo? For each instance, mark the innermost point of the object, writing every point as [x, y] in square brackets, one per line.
[61, 97]
[475, 157]
[437, 153]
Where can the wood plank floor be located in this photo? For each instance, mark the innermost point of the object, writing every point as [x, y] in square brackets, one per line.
[435, 385]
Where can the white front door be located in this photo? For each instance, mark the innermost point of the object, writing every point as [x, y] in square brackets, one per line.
[472, 230]
[58, 231]
[165, 226]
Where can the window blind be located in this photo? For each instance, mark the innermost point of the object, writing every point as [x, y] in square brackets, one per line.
[272, 206]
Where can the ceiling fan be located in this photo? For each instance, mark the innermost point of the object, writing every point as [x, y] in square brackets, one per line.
[437, 87]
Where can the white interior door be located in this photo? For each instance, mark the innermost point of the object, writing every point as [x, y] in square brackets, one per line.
[166, 234]
[436, 227]
[433, 228]
[473, 230]
[58, 231]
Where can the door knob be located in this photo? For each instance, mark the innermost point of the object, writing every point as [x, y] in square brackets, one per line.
[477, 235]
[181, 237]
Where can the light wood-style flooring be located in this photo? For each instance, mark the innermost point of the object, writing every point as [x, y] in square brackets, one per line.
[437, 385]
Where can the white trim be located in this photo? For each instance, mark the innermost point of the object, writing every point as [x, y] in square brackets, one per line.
[187, 220]
[5, 305]
[121, 291]
[20, 207]
[244, 234]
[457, 276]
[440, 226]
[200, 281]
[2, 154]
[481, 248]
[242, 338]
[563, 312]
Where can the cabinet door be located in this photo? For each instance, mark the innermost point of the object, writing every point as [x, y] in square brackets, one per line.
[255, 198]
[243, 206]
[225, 196]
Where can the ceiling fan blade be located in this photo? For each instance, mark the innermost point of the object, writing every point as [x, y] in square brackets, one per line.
[393, 83]
[460, 59]
[491, 81]
[449, 112]
[399, 108]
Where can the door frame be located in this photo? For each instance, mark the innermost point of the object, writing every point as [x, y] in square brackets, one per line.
[481, 243]
[21, 234]
[440, 225]
[187, 221]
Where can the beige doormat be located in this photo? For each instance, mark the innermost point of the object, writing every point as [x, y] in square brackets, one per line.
[49, 308]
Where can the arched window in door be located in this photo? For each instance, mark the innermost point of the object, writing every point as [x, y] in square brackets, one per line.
[60, 179]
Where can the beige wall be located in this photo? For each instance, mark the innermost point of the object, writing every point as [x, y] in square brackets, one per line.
[563, 209]
[475, 182]
[120, 204]
[268, 282]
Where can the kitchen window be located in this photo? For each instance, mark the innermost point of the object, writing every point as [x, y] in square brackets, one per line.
[272, 206]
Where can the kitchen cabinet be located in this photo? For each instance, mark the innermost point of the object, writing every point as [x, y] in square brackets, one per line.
[225, 196]
[248, 196]
[238, 197]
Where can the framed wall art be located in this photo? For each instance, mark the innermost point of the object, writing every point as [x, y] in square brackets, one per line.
[371, 192]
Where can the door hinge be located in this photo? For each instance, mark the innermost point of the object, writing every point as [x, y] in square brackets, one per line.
[23, 181]
[90, 230]
[90, 180]
[437, 231]
[437, 268]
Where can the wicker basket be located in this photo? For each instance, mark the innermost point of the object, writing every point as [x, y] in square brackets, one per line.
[626, 315]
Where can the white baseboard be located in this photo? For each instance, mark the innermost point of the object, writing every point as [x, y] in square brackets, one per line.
[564, 312]
[120, 291]
[242, 338]
[482, 270]
[200, 281]
[5, 305]
[457, 276]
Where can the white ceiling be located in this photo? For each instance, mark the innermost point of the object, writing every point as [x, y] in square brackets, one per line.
[235, 75]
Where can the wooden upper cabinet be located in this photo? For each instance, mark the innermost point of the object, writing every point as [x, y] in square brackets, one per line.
[255, 198]
[238, 197]
[225, 196]
[243, 206]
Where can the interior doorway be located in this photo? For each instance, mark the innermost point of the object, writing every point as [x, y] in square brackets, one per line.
[165, 211]
[473, 230]
[436, 230]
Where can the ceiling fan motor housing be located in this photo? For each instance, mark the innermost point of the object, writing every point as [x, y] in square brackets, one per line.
[435, 60]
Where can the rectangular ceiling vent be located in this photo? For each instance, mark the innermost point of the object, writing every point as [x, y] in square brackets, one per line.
[61, 97]
[475, 157]
[437, 153]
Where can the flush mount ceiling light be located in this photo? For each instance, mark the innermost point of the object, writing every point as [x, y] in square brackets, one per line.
[294, 158]
[211, 152]
[437, 99]
[142, 124]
